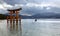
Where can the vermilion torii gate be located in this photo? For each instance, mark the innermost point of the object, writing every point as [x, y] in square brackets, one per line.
[13, 16]
[11, 12]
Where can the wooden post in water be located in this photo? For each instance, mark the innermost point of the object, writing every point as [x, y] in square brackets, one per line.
[7, 19]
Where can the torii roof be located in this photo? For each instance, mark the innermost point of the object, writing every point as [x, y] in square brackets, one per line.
[14, 9]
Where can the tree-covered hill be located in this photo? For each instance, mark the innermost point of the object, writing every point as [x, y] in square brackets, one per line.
[2, 16]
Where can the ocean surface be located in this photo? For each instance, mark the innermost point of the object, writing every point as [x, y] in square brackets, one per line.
[30, 27]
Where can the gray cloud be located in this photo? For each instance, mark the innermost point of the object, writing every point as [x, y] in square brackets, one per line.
[12, 2]
[36, 10]
[36, 5]
[3, 11]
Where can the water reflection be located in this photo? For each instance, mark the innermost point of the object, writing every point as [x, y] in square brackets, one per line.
[31, 28]
[14, 28]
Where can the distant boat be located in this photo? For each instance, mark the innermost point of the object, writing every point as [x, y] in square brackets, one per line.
[35, 19]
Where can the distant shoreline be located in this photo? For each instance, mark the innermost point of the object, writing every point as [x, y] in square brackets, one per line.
[36, 18]
[3, 17]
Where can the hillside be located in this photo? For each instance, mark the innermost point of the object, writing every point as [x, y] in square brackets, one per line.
[2, 16]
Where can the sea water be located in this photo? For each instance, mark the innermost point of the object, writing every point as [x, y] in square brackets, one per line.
[30, 27]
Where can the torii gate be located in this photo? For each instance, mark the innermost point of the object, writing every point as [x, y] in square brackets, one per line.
[11, 12]
[12, 18]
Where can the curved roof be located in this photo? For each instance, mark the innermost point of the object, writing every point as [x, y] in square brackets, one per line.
[14, 9]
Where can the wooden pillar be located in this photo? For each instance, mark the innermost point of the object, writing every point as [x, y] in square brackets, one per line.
[13, 22]
[11, 27]
[13, 19]
[20, 25]
[19, 19]
[7, 19]
[17, 16]
[16, 20]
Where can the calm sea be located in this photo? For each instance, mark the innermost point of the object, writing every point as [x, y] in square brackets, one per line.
[30, 27]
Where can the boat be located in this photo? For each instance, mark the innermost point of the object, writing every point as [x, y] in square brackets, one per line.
[35, 19]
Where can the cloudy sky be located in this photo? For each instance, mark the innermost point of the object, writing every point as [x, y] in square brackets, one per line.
[31, 6]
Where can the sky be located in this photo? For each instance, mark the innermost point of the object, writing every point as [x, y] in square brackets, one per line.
[30, 7]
